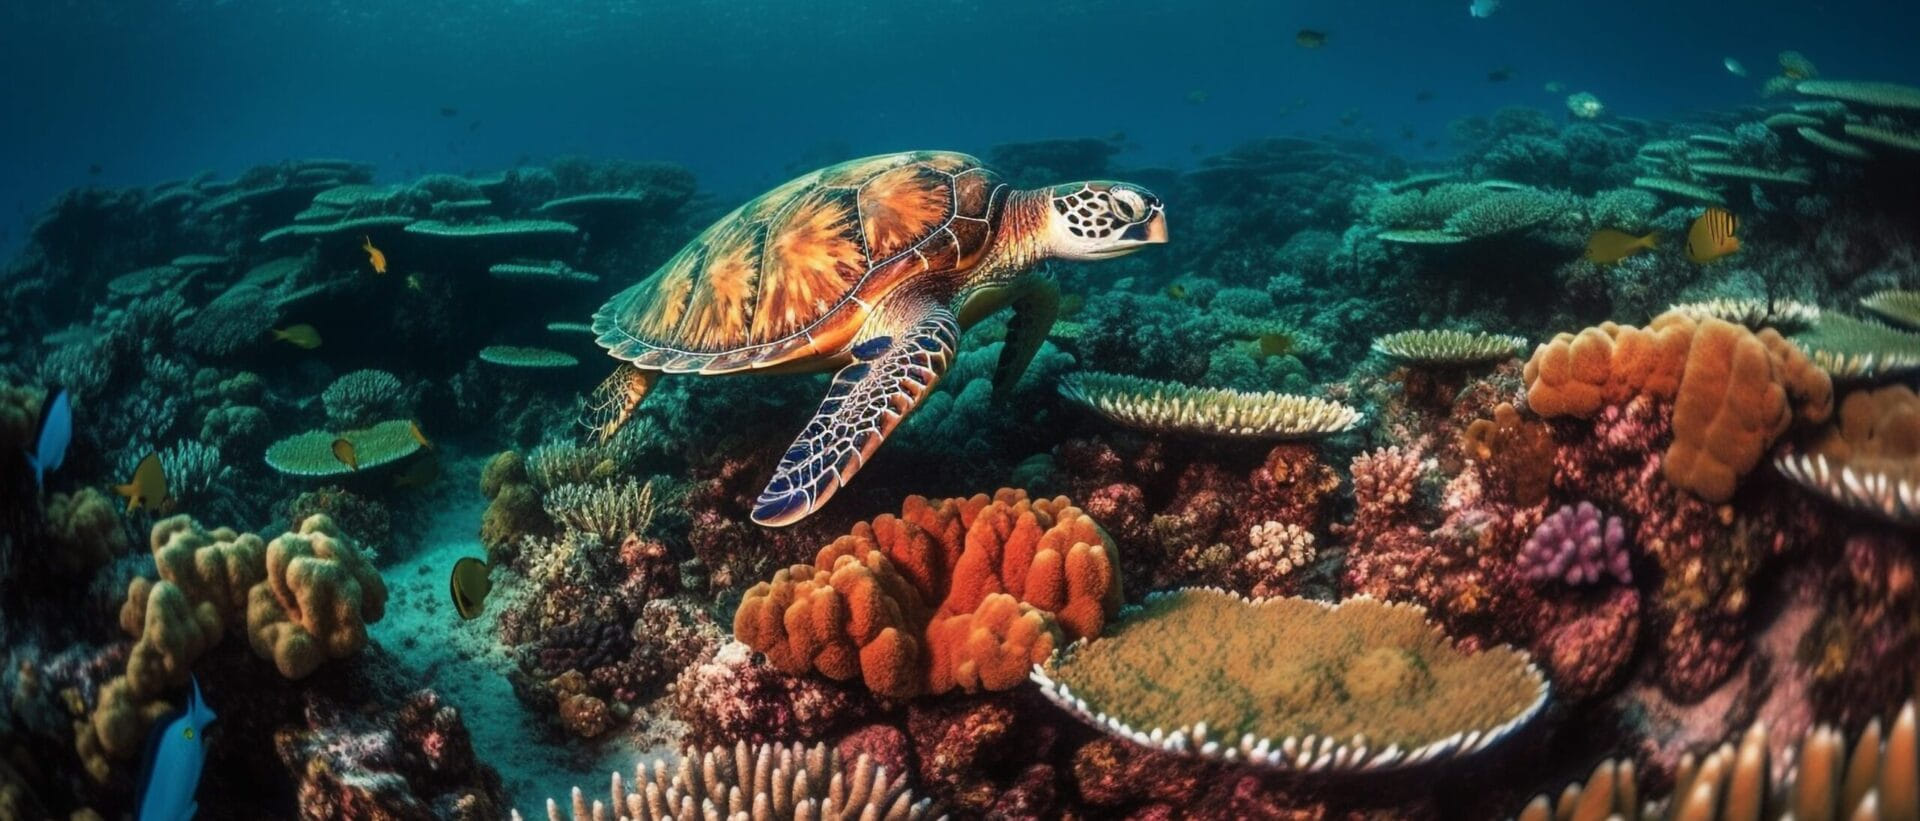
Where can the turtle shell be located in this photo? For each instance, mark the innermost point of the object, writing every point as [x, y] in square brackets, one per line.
[795, 272]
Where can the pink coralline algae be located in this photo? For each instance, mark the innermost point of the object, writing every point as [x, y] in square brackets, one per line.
[1588, 643]
[414, 762]
[731, 697]
[1579, 546]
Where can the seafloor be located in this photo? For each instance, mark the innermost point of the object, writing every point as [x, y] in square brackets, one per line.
[1643, 528]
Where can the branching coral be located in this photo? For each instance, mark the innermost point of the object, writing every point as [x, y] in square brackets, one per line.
[1170, 407]
[1577, 545]
[364, 397]
[1293, 683]
[764, 782]
[956, 594]
[1279, 550]
[1876, 779]
[611, 511]
[1733, 390]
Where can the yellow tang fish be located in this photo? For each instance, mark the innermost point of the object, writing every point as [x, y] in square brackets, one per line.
[413, 428]
[299, 336]
[1608, 246]
[374, 255]
[1711, 236]
[469, 585]
[343, 451]
[148, 489]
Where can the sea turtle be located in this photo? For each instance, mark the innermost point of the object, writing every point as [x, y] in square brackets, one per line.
[871, 267]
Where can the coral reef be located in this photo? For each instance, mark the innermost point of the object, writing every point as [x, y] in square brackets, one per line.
[956, 594]
[414, 761]
[1170, 407]
[763, 782]
[1577, 545]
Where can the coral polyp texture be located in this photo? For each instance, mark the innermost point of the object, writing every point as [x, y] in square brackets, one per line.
[1170, 407]
[1577, 545]
[1895, 305]
[1877, 777]
[1733, 390]
[521, 356]
[1785, 314]
[761, 782]
[1859, 349]
[312, 455]
[1449, 347]
[1869, 459]
[963, 593]
[1292, 683]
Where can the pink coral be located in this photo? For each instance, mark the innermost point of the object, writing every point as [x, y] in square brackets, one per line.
[1589, 642]
[732, 697]
[1577, 545]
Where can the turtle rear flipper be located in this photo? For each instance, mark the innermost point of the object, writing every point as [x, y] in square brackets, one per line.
[1034, 311]
[614, 401]
[889, 375]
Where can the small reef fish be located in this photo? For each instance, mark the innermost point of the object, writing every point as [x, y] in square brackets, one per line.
[1500, 75]
[1274, 344]
[421, 473]
[1711, 236]
[148, 488]
[413, 429]
[1176, 290]
[176, 752]
[375, 256]
[299, 336]
[469, 585]
[343, 451]
[1483, 9]
[1308, 38]
[56, 432]
[1608, 246]
[1734, 67]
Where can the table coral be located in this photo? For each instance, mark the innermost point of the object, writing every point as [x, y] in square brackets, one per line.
[960, 593]
[1733, 390]
[318, 597]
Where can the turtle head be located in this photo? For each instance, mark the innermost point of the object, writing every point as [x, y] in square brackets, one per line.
[1102, 220]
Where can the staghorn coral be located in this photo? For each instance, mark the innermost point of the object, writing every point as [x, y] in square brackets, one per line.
[1869, 459]
[762, 782]
[1169, 407]
[1734, 391]
[1448, 347]
[961, 593]
[1877, 778]
[317, 599]
[1293, 683]
[1577, 545]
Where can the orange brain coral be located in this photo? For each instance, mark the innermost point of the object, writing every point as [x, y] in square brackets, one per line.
[1733, 391]
[959, 593]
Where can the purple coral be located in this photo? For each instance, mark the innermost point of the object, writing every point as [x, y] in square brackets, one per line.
[1577, 545]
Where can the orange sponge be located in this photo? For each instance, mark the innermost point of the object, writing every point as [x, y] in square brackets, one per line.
[1733, 391]
[965, 592]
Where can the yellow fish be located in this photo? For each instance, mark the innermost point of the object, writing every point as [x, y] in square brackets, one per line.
[1608, 246]
[469, 585]
[1177, 291]
[1711, 236]
[413, 428]
[343, 451]
[300, 336]
[374, 255]
[148, 489]
[422, 473]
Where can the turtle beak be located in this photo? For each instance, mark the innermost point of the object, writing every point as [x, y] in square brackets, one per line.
[1153, 231]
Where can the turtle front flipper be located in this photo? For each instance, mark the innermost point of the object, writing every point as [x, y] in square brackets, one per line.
[1033, 314]
[891, 372]
[613, 402]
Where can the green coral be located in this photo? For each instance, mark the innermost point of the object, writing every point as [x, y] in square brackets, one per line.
[1852, 348]
[520, 356]
[1510, 211]
[310, 454]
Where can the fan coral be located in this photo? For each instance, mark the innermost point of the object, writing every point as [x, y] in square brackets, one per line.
[1869, 459]
[960, 593]
[1876, 779]
[1293, 683]
[1169, 407]
[318, 597]
[310, 454]
[1733, 390]
[1448, 347]
[766, 782]
[1577, 545]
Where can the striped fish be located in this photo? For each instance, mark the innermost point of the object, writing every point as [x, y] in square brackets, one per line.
[1711, 236]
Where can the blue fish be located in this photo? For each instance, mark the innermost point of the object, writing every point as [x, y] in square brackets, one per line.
[56, 431]
[176, 750]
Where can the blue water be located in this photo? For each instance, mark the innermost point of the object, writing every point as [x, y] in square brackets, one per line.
[745, 92]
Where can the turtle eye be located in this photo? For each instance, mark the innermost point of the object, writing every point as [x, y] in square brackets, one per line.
[1127, 205]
